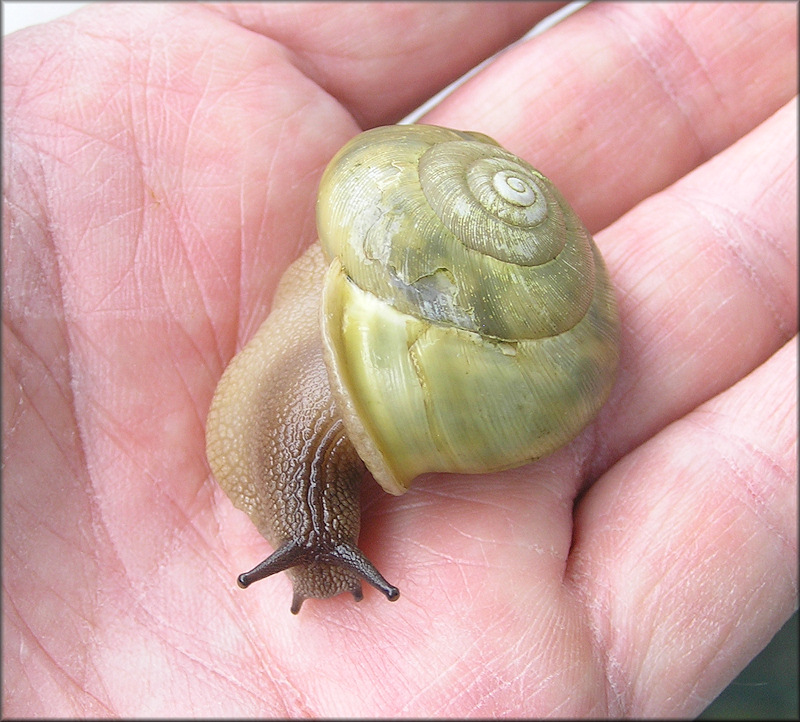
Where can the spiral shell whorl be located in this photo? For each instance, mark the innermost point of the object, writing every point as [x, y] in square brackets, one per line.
[429, 220]
[492, 203]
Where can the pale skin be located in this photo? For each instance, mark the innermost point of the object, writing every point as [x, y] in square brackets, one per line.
[160, 170]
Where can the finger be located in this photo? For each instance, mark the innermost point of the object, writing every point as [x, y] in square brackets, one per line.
[381, 60]
[620, 100]
[685, 553]
[706, 280]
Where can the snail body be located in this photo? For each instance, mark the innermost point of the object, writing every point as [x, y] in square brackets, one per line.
[455, 316]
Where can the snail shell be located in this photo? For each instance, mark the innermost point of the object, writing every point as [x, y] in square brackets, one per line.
[468, 318]
[461, 319]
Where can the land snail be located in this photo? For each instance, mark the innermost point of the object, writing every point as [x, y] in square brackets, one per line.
[455, 315]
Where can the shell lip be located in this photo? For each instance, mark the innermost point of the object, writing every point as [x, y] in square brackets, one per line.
[390, 478]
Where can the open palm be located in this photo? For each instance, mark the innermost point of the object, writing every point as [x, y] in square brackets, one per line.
[160, 171]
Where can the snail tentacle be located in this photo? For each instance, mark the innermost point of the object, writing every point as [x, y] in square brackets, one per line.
[280, 560]
[352, 558]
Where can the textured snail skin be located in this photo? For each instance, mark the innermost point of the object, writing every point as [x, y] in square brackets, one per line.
[460, 319]
[277, 446]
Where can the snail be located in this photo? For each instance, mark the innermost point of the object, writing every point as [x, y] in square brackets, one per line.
[455, 315]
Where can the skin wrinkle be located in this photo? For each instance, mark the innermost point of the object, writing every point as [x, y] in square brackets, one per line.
[13, 211]
[387, 666]
[480, 690]
[656, 582]
[197, 669]
[657, 69]
[56, 668]
[103, 693]
[12, 417]
[658, 607]
[243, 615]
[391, 666]
[52, 668]
[591, 466]
[441, 675]
[723, 223]
[384, 669]
[167, 550]
[31, 514]
[542, 682]
[163, 490]
[212, 550]
[582, 454]
[66, 391]
[184, 523]
[703, 421]
[728, 630]
[708, 656]
[673, 568]
[719, 654]
[313, 62]
[244, 331]
[192, 279]
[195, 129]
[118, 283]
[33, 405]
[700, 65]
[86, 626]
[440, 493]
[210, 670]
[198, 232]
[187, 386]
[618, 687]
[45, 208]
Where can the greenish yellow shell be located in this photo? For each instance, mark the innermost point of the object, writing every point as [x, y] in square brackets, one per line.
[468, 319]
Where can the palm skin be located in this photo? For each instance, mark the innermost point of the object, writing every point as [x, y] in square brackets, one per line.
[160, 171]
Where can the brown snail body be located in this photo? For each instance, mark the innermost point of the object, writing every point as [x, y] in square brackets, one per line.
[456, 316]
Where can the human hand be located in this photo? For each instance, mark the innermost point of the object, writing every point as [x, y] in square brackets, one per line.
[160, 171]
